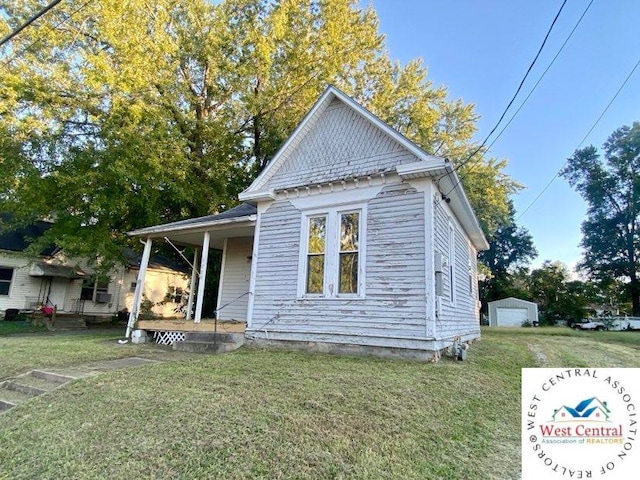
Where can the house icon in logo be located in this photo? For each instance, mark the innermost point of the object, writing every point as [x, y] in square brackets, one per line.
[589, 409]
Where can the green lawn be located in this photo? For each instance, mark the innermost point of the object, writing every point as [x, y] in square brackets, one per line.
[19, 326]
[274, 414]
[21, 353]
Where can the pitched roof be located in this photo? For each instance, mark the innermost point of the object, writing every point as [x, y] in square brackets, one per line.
[157, 261]
[259, 188]
[241, 212]
[421, 164]
[19, 239]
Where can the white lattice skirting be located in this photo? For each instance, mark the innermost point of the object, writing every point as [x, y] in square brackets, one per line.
[168, 338]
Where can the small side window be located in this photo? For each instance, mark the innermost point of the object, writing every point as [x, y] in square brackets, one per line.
[6, 275]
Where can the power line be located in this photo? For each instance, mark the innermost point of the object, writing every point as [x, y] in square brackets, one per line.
[535, 86]
[583, 139]
[50, 28]
[29, 22]
[546, 37]
[541, 76]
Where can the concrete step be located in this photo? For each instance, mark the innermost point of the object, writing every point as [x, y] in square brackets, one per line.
[51, 376]
[29, 385]
[16, 386]
[205, 347]
[10, 398]
[70, 323]
[6, 405]
[214, 337]
[32, 384]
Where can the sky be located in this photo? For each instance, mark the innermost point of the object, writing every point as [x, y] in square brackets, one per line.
[481, 49]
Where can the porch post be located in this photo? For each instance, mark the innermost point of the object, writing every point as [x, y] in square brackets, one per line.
[192, 284]
[137, 296]
[203, 276]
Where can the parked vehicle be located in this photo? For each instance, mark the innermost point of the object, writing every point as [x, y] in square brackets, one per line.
[627, 324]
[590, 325]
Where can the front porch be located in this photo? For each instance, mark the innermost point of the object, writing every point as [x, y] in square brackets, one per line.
[230, 233]
[206, 325]
[208, 335]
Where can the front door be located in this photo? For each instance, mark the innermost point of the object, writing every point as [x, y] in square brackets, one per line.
[58, 292]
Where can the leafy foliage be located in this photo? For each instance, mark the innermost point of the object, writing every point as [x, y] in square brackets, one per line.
[557, 297]
[510, 250]
[611, 188]
[117, 115]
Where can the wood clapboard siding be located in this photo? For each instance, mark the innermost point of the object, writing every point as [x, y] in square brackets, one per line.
[22, 286]
[342, 144]
[459, 317]
[235, 279]
[277, 262]
[394, 303]
[65, 293]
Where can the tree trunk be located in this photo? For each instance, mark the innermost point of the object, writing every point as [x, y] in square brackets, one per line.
[257, 147]
[634, 286]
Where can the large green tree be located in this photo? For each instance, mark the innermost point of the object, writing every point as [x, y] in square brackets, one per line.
[558, 298]
[610, 185]
[116, 115]
[510, 251]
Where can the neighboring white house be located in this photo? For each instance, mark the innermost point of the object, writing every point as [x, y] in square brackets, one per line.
[512, 312]
[70, 285]
[352, 239]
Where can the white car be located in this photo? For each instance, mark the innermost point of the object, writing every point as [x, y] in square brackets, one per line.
[590, 325]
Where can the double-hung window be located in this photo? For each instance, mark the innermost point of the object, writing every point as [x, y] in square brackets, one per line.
[331, 254]
[93, 286]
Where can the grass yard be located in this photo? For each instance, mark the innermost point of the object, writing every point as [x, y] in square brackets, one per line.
[19, 326]
[21, 353]
[273, 414]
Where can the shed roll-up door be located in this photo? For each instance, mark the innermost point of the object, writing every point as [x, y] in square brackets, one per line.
[511, 317]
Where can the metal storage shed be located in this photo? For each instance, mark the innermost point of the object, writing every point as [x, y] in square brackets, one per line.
[512, 312]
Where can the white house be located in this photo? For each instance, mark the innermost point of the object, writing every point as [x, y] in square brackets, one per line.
[71, 285]
[352, 239]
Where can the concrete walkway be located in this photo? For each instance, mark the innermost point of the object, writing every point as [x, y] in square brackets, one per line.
[40, 381]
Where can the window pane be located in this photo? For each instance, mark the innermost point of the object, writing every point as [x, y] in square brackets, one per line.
[4, 287]
[87, 289]
[315, 273]
[102, 284]
[174, 294]
[349, 232]
[348, 273]
[6, 274]
[317, 234]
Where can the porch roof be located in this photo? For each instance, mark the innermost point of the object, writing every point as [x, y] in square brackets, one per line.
[238, 221]
[42, 269]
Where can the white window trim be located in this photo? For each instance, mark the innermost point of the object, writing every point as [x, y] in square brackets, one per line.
[452, 263]
[94, 295]
[332, 252]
